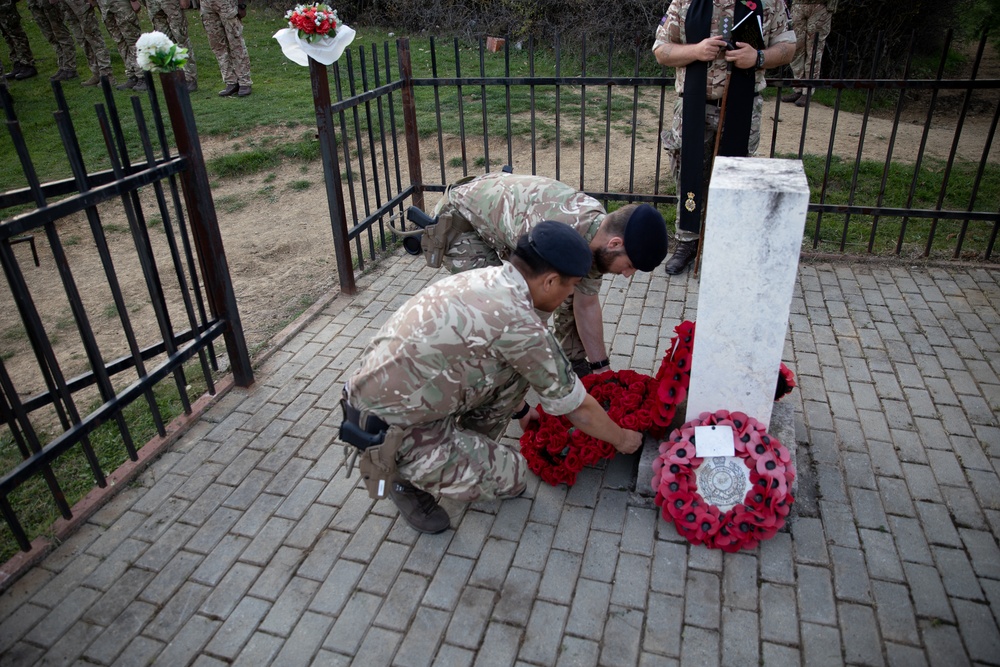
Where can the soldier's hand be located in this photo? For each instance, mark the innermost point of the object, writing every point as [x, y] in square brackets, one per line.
[710, 48]
[241, 10]
[744, 57]
[532, 416]
[136, 6]
[185, 4]
[631, 442]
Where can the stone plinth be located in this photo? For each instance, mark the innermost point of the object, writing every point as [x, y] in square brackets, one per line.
[750, 256]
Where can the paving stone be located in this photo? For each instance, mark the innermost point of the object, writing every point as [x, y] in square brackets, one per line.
[427, 553]
[702, 600]
[776, 561]
[534, 545]
[880, 554]
[448, 582]
[560, 576]
[640, 528]
[306, 638]
[622, 635]
[177, 612]
[956, 573]
[346, 634]
[779, 620]
[699, 647]
[740, 637]
[885, 460]
[500, 645]
[815, 595]
[609, 515]
[421, 641]
[548, 504]
[664, 636]
[576, 652]
[921, 482]
[709, 560]
[516, 596]
[927, 591]
[839, 524]
[898, 655]
[780, 656]
[601, 556]
[739, 581]
[978, 628]
[896, 497]
[895, 613]
[323, 555]
[511, 520]
[574, 526]
[238, 627]
[589, 610]
[862, 645]
[910, 541]
[867, 508]
[470, 536]
[669, 571]
[964, 508]
[983, 552]
[470, 617]
[543, 633]
[491, 567]
[986, 486]
[850, 577]
[587, 488]
[278, 572]
[337, 588]
[858, 470]
[943, 644]
[809, 540]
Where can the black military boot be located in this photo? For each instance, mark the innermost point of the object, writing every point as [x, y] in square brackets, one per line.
[419, 508]
[683, 255]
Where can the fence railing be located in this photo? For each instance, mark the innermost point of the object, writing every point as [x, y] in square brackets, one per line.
[881, 183]
[97, 354]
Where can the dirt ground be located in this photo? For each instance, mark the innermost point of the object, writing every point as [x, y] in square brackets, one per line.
[278, 238]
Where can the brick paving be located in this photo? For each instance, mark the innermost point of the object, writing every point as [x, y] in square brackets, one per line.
[245, 544]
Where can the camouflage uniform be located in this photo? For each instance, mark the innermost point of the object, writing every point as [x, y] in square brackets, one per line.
[168, 17]
[225, 36]
[671, 30]
[124, 27]
[450, 367]
[13, 34]
[86, 29]
[812, 22]
[49, 18]
[501, 207]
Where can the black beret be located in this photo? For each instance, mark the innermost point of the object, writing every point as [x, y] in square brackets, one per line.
[562, 247]
[645, 238]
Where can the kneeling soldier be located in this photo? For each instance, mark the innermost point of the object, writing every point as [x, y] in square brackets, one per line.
[442, 377]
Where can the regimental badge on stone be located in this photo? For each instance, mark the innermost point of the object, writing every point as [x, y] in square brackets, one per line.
[689, 204]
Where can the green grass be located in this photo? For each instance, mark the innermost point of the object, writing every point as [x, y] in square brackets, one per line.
[33, 502]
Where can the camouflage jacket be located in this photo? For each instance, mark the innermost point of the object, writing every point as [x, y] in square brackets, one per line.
[777, 29]
[503, 206]
[451, 347]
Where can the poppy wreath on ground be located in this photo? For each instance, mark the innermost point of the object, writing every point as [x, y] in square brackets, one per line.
[763, 508]
[556, 451]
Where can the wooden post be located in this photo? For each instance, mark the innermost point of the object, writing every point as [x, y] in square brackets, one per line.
[331, 167]
[410, 122]
[205, 225]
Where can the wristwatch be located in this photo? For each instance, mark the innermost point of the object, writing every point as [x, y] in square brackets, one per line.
[523, 411]
[760, 59]
[596, 365]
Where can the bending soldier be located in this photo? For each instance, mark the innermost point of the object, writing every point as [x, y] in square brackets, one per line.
[441, 379]
[484, 217]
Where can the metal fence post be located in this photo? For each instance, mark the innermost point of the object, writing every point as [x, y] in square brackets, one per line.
[205, 225]
[410, 122]
[331, 167]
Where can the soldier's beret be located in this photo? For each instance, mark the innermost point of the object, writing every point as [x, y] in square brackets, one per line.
[562, 247]
[645, 238]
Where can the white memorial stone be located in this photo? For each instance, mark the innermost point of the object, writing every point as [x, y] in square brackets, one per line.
[750, 257]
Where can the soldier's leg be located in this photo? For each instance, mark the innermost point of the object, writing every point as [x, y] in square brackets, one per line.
[799, 61]
[50, 22]
[14, 35]
[86, 29]
[239, 57]
[212, 19]
[130, 30]
[178, 26]
[469, 251]
[820, 23]
[461, 459]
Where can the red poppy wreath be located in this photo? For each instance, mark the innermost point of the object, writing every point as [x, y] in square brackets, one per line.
[556, 451]
[742, 520]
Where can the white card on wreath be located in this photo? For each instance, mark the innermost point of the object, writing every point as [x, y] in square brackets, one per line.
[715, 440]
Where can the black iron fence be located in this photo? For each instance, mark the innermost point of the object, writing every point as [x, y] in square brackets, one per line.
[902, 166]
[74, 365]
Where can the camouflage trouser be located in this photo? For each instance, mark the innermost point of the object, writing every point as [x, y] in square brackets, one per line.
[82, 21]
[225, 36]
[812, 23]
[50, 21]
[168, 17]
[460, 457]
[124, 27]
[13, 34]
[672, 144]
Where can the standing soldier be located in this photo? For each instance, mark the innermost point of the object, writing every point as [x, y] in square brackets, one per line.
[168, 17]
[485, 217]
[20, 50]
[120, 20]
[49, 17]
[82, 20]
[223, 21]
[441, 379]
[812, 21]
[689, 40]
